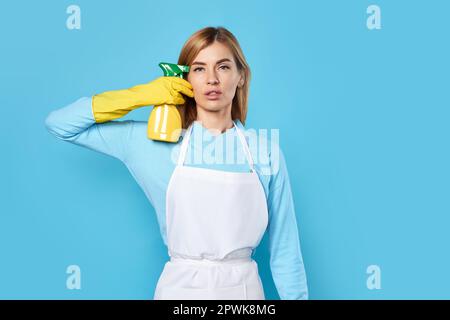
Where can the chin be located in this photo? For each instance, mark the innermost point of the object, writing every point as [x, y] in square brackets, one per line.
[213, 109]
[214, 106]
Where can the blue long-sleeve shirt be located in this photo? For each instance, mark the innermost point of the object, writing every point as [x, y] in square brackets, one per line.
[151, 163]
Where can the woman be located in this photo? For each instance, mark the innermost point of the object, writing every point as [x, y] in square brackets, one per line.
[211, 216]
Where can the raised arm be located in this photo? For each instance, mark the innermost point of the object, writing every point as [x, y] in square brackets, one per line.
[88, 120]
[286, 261]
[75, 123]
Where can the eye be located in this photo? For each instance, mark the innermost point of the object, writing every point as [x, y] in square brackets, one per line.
[198, 68]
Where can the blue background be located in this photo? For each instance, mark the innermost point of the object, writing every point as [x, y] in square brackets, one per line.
[363, 118]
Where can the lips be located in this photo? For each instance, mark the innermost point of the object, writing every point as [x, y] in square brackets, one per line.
[214, 91]
[213, 94]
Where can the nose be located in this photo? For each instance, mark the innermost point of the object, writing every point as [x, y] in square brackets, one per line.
[212, 77]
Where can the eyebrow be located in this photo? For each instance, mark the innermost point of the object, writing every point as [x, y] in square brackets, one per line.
[218, 61]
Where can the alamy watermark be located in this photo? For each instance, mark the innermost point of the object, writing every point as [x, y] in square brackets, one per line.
[74, 19]
[227, 148]
[374, 20]
[374, 279]
[73, 281]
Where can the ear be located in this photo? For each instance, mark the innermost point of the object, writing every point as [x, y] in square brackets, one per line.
[241, 82]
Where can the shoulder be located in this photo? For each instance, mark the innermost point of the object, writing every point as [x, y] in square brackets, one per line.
[141, 129]
[139, 125]
[141, 141]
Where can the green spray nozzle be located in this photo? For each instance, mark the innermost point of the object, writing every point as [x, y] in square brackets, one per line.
[173, 70]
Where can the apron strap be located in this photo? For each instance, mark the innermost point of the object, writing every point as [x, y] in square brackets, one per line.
[185, 145]
[246, 148]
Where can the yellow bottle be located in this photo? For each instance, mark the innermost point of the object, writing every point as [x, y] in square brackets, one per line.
[164, 123]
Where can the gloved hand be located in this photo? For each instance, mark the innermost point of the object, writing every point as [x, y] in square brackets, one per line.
[111, 105]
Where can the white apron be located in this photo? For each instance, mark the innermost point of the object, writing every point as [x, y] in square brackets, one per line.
[214, 220]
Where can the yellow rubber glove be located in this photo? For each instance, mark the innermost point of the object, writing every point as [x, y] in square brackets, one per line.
[111, 105]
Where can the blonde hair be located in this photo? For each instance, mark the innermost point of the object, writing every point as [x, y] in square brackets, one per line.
[197, 42]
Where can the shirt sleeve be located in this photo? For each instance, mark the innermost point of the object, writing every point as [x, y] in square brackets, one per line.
[75, 123]
[286, 262]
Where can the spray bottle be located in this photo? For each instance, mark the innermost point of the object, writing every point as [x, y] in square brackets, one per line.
[164, 123]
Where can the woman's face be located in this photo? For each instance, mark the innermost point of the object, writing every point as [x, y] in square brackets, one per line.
[214, 68]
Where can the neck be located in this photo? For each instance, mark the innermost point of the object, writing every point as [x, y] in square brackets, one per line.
[217, 122]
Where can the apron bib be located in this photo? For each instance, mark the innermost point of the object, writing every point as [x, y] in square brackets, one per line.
[214, 220]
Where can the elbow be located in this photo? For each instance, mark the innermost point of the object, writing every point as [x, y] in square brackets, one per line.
[69, 122]
[52, 124]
